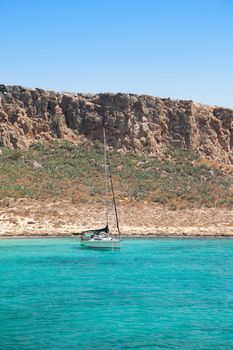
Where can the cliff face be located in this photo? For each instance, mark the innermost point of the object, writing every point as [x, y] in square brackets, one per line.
[137, 123]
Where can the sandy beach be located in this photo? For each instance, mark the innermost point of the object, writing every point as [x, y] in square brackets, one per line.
[33, 218]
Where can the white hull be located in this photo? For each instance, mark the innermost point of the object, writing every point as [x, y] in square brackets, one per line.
[108, 244]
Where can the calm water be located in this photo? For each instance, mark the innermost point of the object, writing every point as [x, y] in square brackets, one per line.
[153, 294]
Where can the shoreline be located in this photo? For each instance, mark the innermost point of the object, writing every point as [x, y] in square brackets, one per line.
[4, 237]
[30, 218]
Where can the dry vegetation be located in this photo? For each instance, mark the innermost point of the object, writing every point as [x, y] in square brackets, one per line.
[57, 189]
[68, 172]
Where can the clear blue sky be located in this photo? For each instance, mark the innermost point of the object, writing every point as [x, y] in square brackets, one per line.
[169, 48]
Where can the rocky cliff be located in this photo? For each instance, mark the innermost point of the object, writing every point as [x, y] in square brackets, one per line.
[138, 123]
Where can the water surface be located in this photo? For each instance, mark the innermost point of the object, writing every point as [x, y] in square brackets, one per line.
[152, 294]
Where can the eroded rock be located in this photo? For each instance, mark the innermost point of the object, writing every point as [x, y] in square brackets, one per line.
[136, 123]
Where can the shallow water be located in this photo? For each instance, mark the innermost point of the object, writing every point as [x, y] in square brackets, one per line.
[152, 294]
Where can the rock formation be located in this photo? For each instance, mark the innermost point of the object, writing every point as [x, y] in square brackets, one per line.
[136, 123]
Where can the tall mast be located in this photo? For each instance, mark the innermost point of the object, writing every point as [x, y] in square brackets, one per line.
[113, 196]
[106, 178]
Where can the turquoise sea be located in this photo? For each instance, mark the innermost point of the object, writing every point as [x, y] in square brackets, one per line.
[152, 294]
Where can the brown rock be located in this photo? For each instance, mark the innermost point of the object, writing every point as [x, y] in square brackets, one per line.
[3, 116]
[136, 123]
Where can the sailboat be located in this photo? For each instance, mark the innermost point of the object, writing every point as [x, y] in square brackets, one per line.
[101, 238]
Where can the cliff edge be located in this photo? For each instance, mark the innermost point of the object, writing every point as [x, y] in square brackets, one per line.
[138, 123]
